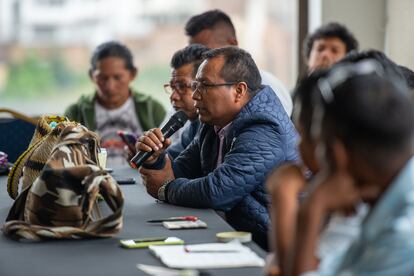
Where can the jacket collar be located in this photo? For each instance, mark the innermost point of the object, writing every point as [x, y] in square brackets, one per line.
[263, 107]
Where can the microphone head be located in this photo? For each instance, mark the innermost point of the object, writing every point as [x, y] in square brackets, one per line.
[179, 118]
[176, 122]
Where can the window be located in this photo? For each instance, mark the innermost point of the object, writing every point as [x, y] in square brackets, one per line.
[46, 64]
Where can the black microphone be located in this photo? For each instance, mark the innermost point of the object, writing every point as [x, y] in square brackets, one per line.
[176, 122]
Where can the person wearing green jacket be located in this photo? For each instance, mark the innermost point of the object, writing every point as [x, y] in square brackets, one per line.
[115, 105]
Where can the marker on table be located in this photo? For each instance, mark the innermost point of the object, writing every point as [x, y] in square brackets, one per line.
[150, 239]
[185, 218]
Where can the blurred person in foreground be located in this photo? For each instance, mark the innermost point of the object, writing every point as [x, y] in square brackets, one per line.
[214, 29]
[245, 132]
[288, 185]
[362, 127]
[115, 105]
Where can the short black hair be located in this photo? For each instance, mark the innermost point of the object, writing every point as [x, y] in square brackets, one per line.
[306, 90]
[372, 114]
[304, 96]
[208, 20]
[408, 75]
[388, 64]
[330, 30]
[239, 66]
[191, 54]
[112, 49]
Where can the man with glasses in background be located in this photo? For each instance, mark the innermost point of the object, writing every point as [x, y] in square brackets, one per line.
[245, 133]
[184, 64]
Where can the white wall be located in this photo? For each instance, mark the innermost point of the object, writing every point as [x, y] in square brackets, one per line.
[6, 21]
[385, 25]
[399, 39]
[364, 18]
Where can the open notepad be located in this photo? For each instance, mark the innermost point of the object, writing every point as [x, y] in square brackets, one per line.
[208, 255]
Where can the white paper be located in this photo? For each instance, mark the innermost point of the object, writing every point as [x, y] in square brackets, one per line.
[173, 225]
[162, 271]
[175, 256]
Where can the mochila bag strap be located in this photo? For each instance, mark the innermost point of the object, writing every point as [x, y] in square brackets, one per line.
[60, 202]
[31, 162]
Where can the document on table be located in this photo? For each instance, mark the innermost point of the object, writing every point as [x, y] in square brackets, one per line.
[208, 255]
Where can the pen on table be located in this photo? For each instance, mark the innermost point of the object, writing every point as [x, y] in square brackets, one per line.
[185, 218]
[188, 250]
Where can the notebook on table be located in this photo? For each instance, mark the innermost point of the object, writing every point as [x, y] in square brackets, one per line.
[208, 255]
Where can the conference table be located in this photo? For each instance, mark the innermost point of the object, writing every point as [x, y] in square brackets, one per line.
[105, 256]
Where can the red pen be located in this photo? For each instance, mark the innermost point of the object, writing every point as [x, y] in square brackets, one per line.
[188, 218]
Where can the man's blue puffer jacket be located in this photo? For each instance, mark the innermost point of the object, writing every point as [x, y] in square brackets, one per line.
[260, 138]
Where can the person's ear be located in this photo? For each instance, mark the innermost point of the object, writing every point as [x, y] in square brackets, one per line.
[241, 90]
[90, 73]
[134, 73]
[233, 41]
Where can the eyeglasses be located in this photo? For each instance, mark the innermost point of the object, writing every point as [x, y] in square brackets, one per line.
[178, 87]
[203, 87]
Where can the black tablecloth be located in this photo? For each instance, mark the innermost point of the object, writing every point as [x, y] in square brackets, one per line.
[105, 256]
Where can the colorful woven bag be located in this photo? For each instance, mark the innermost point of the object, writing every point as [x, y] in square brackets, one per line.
[61, 182]
[28, 166]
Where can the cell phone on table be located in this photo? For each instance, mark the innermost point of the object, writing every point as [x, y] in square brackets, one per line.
[129, 139]
[125, 180]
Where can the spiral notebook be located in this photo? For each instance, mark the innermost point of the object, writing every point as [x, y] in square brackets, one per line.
[208, 255]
